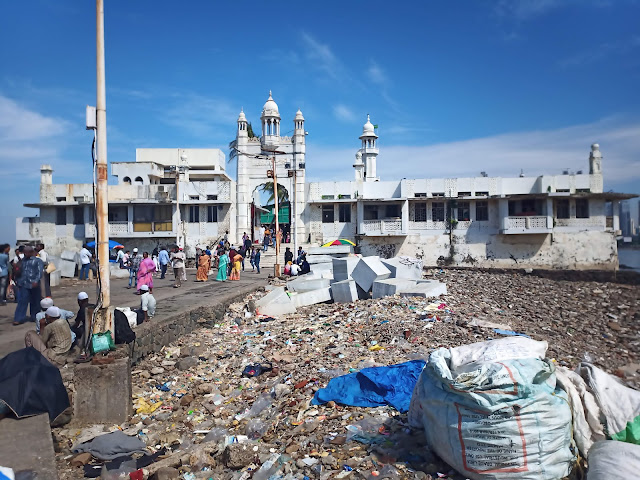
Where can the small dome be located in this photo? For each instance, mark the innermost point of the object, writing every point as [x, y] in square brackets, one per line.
[270, 108]
[299, 115]
[241, 117]
[595, 147]
[368, 130]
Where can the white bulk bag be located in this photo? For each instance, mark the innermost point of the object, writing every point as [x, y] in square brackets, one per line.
[497, 417]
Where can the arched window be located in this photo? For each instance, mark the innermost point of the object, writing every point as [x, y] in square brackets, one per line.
[139, 181]
[126, 180]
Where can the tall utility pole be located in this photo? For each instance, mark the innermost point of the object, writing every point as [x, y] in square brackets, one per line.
[102, 202]
[276, 266]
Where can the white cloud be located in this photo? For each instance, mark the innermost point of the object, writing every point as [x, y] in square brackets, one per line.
[344, 113]
[376, 74]
[536, 152]
[203, 117]
[322, 57]
[526, 9]
[18, 123]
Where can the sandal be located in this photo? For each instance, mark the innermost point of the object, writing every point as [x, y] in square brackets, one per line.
[256, 369]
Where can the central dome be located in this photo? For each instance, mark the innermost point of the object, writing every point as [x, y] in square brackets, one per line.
[270, 108]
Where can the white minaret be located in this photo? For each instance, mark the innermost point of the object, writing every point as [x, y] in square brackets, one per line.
[299, 165]
[270, 122]
[359, 167]
[595, 160]
[369, 151]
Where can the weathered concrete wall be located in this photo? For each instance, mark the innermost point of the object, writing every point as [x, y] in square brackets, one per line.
[584, 250]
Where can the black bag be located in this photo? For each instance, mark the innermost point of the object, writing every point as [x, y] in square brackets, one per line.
[124, 334]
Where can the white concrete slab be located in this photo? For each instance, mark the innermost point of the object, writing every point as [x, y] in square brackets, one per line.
[312, 297]
[344, 291]
[391, 286]
[336, 249]
[343, 267]
[303, 284]
[368, 270]
[275, 303]
[404, 267]
[67, 268]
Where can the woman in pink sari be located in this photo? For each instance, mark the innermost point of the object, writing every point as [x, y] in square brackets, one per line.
[147, 267]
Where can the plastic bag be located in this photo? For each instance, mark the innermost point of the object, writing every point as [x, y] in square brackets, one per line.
[102, 342]
[11, 294]
[502, 420]
[611, 460]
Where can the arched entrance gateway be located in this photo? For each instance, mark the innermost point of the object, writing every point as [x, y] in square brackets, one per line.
[255, 157]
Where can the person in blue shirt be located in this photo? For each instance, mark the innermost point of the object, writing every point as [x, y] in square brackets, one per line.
[4, 273]
[163, 259]
[29, 282]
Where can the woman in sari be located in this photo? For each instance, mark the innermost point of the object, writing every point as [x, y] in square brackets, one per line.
[223, 262]
[204, 264]
[145, 272]
[237, 265]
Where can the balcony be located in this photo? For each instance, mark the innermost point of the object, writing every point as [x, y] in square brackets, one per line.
[385, 227]
[526, 224]
[139, 229]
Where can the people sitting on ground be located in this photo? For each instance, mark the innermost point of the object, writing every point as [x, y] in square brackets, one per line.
[295, 270]
[301, 252]
[47, 303]
[54, 340]
[78, 327]
[304, 265]
[287, 268]
[147, 305]
[288, 255]
[145, 272]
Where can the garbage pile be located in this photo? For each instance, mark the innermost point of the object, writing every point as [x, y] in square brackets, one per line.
[321, 393]
[343, 278]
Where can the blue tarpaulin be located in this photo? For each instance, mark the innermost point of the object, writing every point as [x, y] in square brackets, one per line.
[374, 387]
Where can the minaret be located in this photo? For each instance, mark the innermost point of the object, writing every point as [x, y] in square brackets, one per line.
[359, 167]
[595, 160]
[270, 122]
[299, 165]
[299, 140]
[369, 151]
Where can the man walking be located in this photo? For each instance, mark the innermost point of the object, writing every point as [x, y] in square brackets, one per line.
[177, 262]
[134, 265]
[163, 258]
[29, 283]
[256, 259]
[85, 259]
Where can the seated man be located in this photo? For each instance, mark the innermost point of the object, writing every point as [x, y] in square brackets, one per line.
[45, 303]
[147, 304]
[54, 341]
[295, 270]
[78, 327]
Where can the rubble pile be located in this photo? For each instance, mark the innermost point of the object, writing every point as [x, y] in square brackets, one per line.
[338, 276]
[234, 401]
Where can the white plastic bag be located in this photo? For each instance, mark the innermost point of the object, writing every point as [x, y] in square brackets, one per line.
[502, 419]
[611, 460]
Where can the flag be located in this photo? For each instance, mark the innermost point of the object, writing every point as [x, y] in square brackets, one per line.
[375, 126]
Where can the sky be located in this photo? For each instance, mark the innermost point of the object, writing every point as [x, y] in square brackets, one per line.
[455, 87]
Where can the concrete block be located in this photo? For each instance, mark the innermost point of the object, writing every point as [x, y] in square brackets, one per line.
[67, 268]
[312, 297]
[322, 270]
[103, 393]
[391, 286]
[404, 267]
[55, 277]
[69, 255]
[343, 267]
[344, 291]
[368, 270]
[276, 302]
[26, 445]
[315, 259]
[428, 289]
[336, 249]
[116, 272]
[362, 294]
[303, 284]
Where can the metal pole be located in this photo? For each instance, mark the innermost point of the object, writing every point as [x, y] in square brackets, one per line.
[294, 218]
[276, 266]
[102, 201]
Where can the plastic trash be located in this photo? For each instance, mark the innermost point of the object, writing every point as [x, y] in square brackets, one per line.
[215, 435]
[268, 468]
[256, 428]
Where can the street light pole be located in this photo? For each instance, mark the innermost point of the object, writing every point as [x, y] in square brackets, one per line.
[276, 266]
[102, 202]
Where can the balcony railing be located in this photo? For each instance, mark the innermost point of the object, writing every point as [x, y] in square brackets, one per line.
[528, 224]
[117, 229]
[383, 227]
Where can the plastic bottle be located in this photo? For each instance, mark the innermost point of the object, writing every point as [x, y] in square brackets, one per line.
[268, 468]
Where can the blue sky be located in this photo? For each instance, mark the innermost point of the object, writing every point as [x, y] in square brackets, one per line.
[456, 87]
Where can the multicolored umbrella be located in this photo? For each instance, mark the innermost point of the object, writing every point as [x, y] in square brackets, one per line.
[339, 241]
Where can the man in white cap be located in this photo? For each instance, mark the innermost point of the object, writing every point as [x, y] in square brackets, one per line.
[147, 303]
[134, 265]
[78, 327]
[54, 341]
[45, 303]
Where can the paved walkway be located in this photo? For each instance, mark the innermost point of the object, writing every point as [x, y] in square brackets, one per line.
[170, 300]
